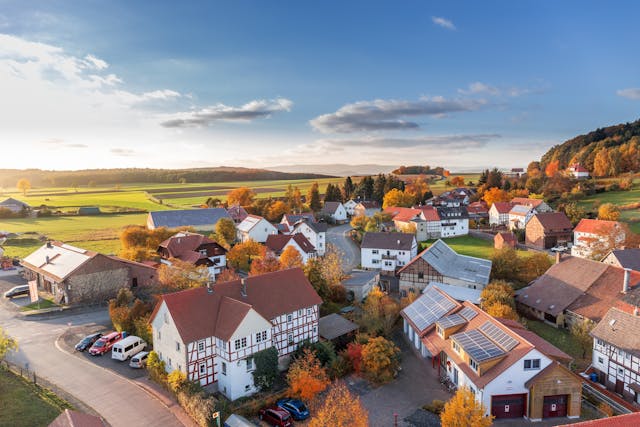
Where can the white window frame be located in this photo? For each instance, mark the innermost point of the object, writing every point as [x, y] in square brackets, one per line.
[201, 345]
[202, 368]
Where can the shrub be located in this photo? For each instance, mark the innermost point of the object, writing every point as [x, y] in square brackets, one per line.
[266, 368]
[337, 293]
[340, 366]
[176, 380]
[199, 406]
[142, 329]
[156, 369]
[436, 406]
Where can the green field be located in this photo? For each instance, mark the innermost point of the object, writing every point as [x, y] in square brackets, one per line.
[23, 404]
[471, 246]
[619, 198]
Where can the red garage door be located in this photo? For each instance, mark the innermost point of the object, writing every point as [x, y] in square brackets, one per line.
[555, 406]
[508, 405]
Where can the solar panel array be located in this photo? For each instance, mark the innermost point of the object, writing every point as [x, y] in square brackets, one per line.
[499, 336]
[477, 346]
[468, 313]
[451, 321]
[427, 309]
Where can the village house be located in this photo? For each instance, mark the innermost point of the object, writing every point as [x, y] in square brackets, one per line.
[366, 208]
[439, 263]
[292, 219]
[255, 228]
[212, 334]
[625, 258]
[413, 220]
[454, 221]
[14, 205]
[478, 211]
[546, 230]
[237, 213]
[335, 211]
[578, 171]
[77, 276]
[538, 204]
[593, 238]
[349, 206]
[315, 232]
[194, 249]
[200, 219]
[575, 289]
[510, 370]
[515, 173]
[387, 251]
[519, 215]
[453, 198]
[616, 352]
[277, 243]
[499, 213]
[506, 239]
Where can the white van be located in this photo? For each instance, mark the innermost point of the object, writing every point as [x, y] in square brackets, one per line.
[127, 347]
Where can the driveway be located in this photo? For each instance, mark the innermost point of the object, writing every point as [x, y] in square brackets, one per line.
[117, 399]
[338, 237]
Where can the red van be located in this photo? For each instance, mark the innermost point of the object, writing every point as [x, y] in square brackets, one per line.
[105, 343]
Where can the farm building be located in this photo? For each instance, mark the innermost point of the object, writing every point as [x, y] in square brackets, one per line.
[14, 205]
[200, 219]
[504, 240]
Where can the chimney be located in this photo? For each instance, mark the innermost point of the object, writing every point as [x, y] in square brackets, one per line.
[636, 311]
[625, 281]
[47, 260]
[49, 245]
[243, 287]
[558, 257]
[209, 287]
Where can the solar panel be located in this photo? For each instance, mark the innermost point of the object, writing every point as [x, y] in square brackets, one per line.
[499, 336]
[427, 309]
[468, 313]
[451, 321]
[477, 346]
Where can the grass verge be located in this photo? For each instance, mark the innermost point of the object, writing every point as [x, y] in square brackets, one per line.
[43, 303]
[561, 339]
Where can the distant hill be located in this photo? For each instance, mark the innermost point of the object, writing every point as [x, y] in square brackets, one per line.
[419, 170]
[583, 148]
[336, 169]
[45, 178]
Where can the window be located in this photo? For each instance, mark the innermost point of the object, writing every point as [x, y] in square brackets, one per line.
[249, 364]
[289, 317]
[243, 342]
[473, 365]
[456, 347]
[203, 252]
[600, 360]
[440, 331]
[420, 275]
[224, 368]
[247, 387]
[202, 368]
[259, 337]
[159, 335]
[530, 364]
[308, 311]
[240, 343]
[166, 318]
[599, 342]
[200, 345]
[374, 251]
[300, 312]
[620, 370]
[169, 362]
[264, 335]
[375, 261]
[177, 346]
[290, 338]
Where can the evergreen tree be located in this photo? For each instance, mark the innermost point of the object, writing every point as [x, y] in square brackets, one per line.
[314, 198]
[348, 188]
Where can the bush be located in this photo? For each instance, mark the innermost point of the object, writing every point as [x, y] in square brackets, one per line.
[176, 380]
[266, 368]
[142, 328]
[436, 406]
[156, 369]
[340, 366]
[337, 293]
[199, 406]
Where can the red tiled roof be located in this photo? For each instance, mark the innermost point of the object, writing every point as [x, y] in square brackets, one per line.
[625, 420]
[477, 208]
[198, 314]
[237, 212]
[577, 167]
[277, 242]
[507, 236]
[402, 214]
[503, 207]
[596, 226]
[527, 201]
[183, 246]
[430, 213]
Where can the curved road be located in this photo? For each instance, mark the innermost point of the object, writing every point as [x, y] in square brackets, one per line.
[338, 237]
[116, 399]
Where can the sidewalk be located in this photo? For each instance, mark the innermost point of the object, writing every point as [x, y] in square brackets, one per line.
[166, 399]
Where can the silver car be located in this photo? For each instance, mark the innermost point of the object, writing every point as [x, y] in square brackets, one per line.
[139, 360]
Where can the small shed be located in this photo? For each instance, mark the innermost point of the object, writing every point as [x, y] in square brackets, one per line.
[336, 329]
[505, 240]
[89, 210]
[360, 283]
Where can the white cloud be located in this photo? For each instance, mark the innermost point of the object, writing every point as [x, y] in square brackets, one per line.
[442, 22]
[479, 87]
[220, 112]
[383, 114]
[631, 93]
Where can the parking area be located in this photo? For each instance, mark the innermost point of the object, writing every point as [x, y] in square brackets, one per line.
[9, 279]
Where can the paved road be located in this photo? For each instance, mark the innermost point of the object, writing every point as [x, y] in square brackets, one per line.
[115, 398]
[337, 236]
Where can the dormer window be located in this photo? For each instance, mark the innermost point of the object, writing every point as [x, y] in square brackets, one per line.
[473, 364]
[440, 331]
[456, 347]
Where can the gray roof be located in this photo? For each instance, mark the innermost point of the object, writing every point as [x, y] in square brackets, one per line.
[188, 217]
[459, 293]
[627, 258]
[13, 202]
[333, 326]
[402, 241]
[614, 329]
[330, 207]
[451, 264]
[360, 277]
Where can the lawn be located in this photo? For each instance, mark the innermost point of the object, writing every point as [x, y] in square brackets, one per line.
[25, 404]
[561, 339]
[471, 246]
[43, 303]
[619, 198]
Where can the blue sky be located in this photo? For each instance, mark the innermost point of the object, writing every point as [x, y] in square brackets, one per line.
[253, 83]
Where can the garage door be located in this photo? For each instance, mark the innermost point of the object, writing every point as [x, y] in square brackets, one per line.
[555, 406]
[508, 405]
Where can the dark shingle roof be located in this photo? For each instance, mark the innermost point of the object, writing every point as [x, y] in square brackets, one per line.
[333, 326]
[403, 241]
[615, 328]
[628, 258]
[188, 217]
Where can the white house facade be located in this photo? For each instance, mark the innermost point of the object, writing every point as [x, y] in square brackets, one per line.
[315, 232]
[255, 228]
[336, 211]
[387, 251]
[349, 206]
[499, 213]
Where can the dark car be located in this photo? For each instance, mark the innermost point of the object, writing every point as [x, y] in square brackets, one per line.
[295, 407]
[275, 416]
[17, 291]
[87, 341]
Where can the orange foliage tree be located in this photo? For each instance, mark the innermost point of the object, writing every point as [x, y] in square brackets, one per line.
[276, 211]
[463, 410]
[306, 376]
[342, 408]
[244, 196]
[380, 360]
[354, 353]
[504, 311]
[552, 168]
[608, 212]
[182, 275]
[457, 181]
[240, 255]
[397, 197]
[227, 275]
[290, 258]
[495, 194]
[266, 264]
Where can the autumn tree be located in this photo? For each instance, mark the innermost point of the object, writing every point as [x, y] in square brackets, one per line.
[182, 275]
[226, 229]
[495, 194]
[497, 292]
[213, 202]
[23, 185]
[463, 410]
[240, 256]
[348, 188]
[380, 360]
[397, 197]
[342, 408]
[313, 198]
[502, 310]
[293, 198]
[290, 258]
[608, 212]
[380, 313]
[581, 330]
[313, 271]
[504, 264]
[574, 212]
[266, 264]
[457, 181]
[533, 266]
[7, 344]
[139, 243]
[602, 163]
[331, 265]
[306, 376]
[354, 354]
[419, 188]
[276, 211]
[227, 275]
[552, 168]
[243, 196]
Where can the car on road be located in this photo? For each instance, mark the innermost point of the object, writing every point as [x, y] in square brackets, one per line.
[295, 407]
[17, 291]
[139, 360]
[559, 249]
[86, 342]
[104, 344]
[275, 416]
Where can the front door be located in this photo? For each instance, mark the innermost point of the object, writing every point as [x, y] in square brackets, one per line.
[619, 387]
[455, 376]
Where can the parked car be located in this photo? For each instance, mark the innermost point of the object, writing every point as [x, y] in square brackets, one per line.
[295, 407]
[559, 248]
[104, 344]
[17, 291]
[139, 360]
[87, 341]
[127, 347]
[275, 416]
